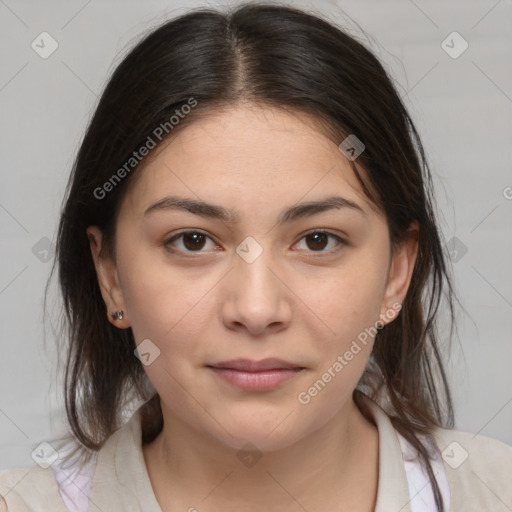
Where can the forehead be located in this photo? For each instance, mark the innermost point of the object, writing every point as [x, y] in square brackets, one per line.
[250, 156]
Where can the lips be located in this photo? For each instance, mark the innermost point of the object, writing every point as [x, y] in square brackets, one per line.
[247, 365]
[250, 375]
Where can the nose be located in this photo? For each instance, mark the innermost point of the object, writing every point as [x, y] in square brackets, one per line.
[258, 299]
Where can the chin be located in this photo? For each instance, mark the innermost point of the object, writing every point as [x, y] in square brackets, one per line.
[256, 441]
[266, 432]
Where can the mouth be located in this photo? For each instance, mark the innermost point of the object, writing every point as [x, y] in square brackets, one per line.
[256, 375]
[247, 365]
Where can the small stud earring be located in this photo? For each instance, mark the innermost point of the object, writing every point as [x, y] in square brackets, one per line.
[118, 315]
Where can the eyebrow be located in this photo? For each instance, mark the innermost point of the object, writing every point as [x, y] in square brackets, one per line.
[208, 210]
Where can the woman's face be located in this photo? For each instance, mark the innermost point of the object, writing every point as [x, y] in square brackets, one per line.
[256, 278]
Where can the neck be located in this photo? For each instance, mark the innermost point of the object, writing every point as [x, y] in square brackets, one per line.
[335, 464]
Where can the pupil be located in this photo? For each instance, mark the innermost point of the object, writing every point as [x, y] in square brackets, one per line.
[195, 238]
[317, 236]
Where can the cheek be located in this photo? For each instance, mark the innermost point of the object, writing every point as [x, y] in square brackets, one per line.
[156, 295]
[167, 309]
[349, 306]
[172, 308]
[346, 301]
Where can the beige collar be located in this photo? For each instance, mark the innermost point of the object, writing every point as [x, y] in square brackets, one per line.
[121, 480]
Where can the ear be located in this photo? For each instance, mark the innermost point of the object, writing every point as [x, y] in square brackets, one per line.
[400, 273]
[108, 279]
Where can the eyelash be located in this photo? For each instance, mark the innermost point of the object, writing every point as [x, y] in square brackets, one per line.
[341, 242]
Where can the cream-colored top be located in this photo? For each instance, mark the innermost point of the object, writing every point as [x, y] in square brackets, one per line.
[478, 469]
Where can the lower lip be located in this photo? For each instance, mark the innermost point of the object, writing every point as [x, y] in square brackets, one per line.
[256, 381]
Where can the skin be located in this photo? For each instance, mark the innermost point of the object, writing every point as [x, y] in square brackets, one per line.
[303, 300]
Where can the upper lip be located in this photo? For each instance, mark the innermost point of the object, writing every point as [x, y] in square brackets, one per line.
[254, 366]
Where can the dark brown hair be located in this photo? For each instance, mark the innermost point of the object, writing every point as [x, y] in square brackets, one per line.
[284, 58]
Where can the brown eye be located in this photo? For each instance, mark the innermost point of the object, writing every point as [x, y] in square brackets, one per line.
[191, 241]
[318, 241]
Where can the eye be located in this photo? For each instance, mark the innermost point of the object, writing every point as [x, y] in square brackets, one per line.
[317, 241]
[194, 241]
[191, 241]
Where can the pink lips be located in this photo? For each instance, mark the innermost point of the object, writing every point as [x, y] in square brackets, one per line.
[256, 375]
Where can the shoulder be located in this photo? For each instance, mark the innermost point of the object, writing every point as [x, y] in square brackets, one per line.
[460, 448]
[478, 468]
[29, 489]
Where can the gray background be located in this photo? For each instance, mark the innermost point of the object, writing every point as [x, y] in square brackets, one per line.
[462, 107]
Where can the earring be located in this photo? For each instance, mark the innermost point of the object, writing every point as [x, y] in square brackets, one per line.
[118, 315]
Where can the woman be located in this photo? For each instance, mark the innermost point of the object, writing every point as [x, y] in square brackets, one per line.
[248, 251]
